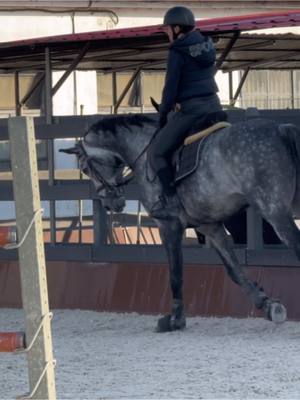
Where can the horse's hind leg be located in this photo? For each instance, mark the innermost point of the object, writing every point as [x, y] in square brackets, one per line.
[222, 244]
[286, 229]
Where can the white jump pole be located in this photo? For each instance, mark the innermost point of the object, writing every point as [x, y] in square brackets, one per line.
[32, 258]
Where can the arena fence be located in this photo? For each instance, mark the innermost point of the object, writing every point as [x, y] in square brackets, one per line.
[105, 237]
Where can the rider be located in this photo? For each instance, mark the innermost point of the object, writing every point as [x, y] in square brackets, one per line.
[191, 87]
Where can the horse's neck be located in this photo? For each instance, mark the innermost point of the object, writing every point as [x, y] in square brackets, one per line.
[134, 148]
[133, 145]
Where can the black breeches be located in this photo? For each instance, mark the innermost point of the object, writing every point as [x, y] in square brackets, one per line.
[169, 138]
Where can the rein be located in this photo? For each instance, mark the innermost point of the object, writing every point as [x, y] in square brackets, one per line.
[107, 186]
[144, 150]
[127, 178]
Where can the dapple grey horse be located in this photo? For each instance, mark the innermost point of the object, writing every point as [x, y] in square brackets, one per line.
[251, 163]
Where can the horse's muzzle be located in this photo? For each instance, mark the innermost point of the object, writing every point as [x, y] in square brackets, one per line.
[115, 204]
[112, 200]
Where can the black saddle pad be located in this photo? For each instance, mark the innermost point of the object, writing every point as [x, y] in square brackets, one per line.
[186, 160]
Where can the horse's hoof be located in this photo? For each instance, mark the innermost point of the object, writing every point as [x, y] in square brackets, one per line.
[164, 324]
[169, 324]
[277, 313]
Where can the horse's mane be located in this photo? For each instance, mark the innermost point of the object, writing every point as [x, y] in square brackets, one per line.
[127, 121]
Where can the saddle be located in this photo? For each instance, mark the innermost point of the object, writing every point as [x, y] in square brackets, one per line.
[186, 158]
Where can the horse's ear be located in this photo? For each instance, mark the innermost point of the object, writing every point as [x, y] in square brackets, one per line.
[70, 150]
[154, 103]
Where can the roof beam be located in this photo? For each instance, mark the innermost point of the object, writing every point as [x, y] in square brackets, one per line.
[130, 67]
[260, 63]
[253, 46]
[71, 68]
[127, 87]
[32, 89]
[227, 49]
[239, 88]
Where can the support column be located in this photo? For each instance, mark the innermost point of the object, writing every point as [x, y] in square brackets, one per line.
[292, 89]
[31, 256]
[230, 82]
[50, 147]
[17, 94]
[100, 220]
[114, 92]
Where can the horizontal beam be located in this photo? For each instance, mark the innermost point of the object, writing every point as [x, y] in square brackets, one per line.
[67, 190]
[76, 126]
[194, 255]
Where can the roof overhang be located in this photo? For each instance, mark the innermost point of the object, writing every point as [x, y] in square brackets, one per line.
[146, 47]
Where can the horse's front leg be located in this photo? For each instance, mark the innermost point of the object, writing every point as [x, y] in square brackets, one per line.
[171, 233]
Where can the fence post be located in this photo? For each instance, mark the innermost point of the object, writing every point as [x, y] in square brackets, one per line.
[31, 257]
[100, 223]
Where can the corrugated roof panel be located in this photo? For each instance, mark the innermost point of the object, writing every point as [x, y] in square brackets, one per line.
[146, 47]
[243, 23]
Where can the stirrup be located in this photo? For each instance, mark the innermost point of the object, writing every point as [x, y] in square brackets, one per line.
[164, 209]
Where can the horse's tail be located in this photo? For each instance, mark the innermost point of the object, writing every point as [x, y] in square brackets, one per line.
[291, 136]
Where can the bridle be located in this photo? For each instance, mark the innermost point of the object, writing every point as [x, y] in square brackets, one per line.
[110, 188]
[105, 185]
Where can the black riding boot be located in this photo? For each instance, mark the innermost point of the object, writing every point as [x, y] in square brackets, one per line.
[168, 205]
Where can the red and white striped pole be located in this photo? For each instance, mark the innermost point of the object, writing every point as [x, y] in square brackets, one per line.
[8, 235]
[12, 341]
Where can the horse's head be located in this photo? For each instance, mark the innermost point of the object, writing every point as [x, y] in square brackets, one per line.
[106, 170]
[100, 154]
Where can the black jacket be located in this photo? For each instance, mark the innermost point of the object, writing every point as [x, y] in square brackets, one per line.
[190, 70]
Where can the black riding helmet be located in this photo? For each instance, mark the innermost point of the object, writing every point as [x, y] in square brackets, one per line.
[179, 15]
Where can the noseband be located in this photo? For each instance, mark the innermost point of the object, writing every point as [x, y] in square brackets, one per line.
[105, 185]
[89, 169]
